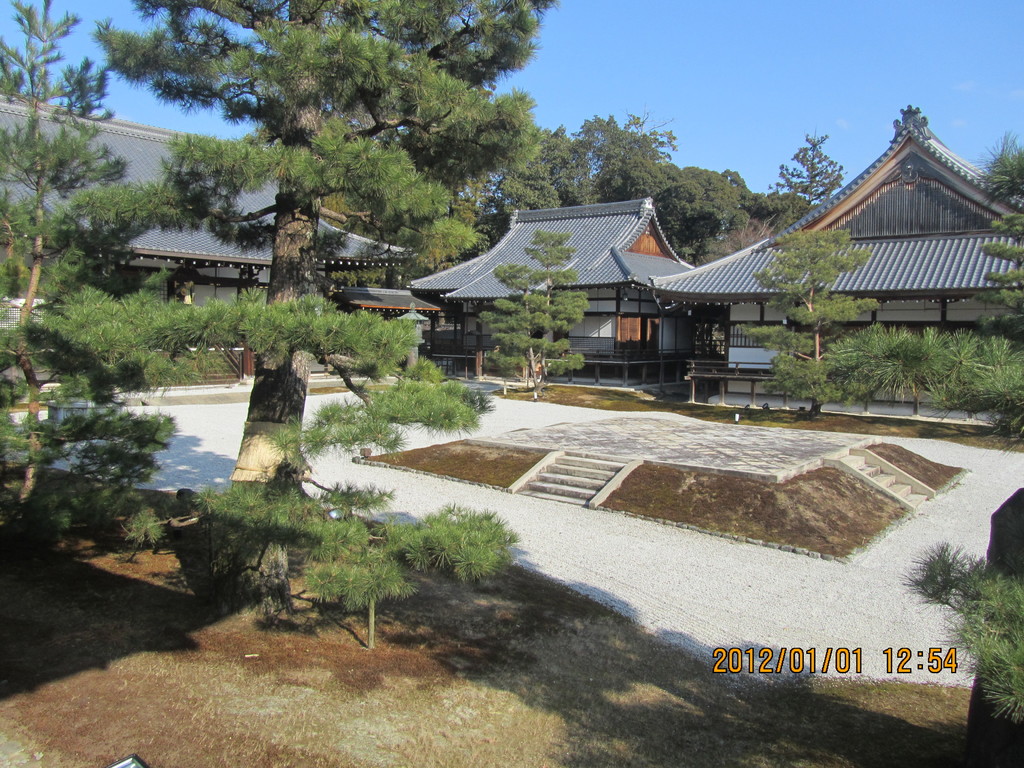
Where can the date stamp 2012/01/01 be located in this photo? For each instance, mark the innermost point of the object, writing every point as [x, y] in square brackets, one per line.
[840, 661]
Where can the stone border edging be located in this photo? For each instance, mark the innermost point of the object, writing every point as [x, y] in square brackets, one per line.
[670, 523]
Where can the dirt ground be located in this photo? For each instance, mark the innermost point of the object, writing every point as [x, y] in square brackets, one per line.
[102, 657]
[478, 463]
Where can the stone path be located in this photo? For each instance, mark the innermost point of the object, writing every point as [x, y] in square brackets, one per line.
[761, 452]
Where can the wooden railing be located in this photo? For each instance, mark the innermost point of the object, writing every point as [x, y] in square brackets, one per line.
[723, 369]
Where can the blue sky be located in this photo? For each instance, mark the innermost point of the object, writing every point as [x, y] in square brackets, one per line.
[740, 82]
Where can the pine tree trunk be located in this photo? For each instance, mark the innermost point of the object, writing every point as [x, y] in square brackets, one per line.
[278, 397]
[265, 588]
[24, 362]
[371, 626]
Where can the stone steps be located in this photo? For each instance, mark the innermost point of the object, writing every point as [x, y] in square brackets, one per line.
[573, 478]
[883, 476]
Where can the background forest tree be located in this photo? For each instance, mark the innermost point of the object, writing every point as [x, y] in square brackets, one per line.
[704, 214]
[815, 177]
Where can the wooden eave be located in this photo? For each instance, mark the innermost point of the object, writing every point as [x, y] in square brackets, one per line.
[651, 242]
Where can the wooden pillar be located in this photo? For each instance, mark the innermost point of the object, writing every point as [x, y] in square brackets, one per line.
[597, 373]
[721, 391]
[693, 390]
[248, 361]
[625, 373]
[753, 392]
[479, 362]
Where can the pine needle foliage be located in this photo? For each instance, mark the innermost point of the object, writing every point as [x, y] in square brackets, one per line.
[80, 325]
[801, 276]
[895, 361]
[466, 545]
[539, 308]
[989, 620]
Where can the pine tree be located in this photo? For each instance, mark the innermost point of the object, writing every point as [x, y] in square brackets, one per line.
[1010, 290]
[386, 107]
[801, 276]
[815, 176]
[80, 337]
[539, 307]
[43, 161]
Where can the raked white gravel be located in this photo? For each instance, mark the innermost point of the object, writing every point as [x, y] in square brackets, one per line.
[693, 590]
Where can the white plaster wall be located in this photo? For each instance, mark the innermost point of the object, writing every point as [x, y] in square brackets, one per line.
[751, 355]
[745, 313]
[201, 294]
[909, 312]
[595, 327]
[971, 310]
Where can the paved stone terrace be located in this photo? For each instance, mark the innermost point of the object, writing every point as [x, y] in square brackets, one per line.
[761, 452]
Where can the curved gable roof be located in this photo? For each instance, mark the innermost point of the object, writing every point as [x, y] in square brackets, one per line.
[930, 205]
[914, 155]
[600, 234]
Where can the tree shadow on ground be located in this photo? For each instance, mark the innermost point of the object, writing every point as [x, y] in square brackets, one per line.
[630, 698]
[62, 615]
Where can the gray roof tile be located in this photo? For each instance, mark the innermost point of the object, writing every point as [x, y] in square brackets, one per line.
[145, 150]
[917, 266]
[597, 232]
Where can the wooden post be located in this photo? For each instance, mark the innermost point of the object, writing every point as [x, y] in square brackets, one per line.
[753, 392]
[693, 390]
[721, 391]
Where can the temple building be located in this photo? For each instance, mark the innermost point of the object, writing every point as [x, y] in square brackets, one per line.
[924, 213]
[199, 265]
[626, 336]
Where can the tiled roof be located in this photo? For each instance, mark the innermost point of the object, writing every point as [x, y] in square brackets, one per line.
[917, 266]
[599, 233]
[386, 298]
[145, 149]
[915, 128]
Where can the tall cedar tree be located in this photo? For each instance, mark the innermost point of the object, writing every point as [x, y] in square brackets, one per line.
[801, 277]
[815, 176]
[525, 324]
[86, 339]
[385, 106]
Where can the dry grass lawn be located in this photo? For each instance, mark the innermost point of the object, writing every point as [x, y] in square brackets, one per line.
[101, 657]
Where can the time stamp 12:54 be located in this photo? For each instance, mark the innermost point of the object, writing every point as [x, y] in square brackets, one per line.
[899, 661]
